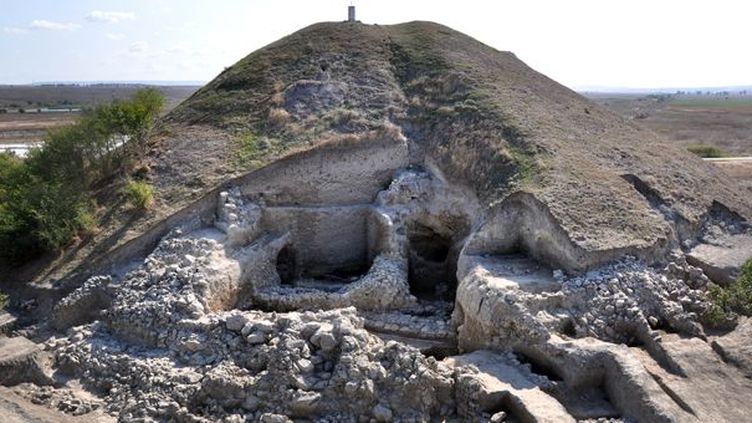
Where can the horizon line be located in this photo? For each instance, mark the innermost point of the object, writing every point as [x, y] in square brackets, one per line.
[577, 88]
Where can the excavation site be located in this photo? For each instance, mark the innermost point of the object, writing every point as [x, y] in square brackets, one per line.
[364, 223]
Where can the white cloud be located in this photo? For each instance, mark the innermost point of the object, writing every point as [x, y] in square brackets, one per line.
[53, 26]
[109, 17]
[14, 30]
[115, 36]
[179, 50]
[138, 47]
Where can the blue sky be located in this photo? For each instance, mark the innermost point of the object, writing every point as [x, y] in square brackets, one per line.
[637, 43]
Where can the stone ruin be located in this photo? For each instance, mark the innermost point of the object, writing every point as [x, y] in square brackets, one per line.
[390, 297]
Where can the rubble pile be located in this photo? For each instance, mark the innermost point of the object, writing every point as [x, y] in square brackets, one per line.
[626, 300]
[161, 352]
[238, 365]
[173, 284]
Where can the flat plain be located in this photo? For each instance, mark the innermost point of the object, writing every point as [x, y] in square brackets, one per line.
[27, 112]
[720, 121]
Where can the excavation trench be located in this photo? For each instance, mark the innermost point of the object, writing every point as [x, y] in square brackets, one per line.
[405, 293]
[395, 254]
[393, 259]
[326, 234]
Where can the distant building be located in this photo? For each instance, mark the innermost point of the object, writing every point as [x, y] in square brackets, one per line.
[351, 13]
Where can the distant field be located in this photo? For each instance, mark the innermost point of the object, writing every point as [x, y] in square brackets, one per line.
[32, 96]
[20, 128]
[719, 121]
[735, 102]
[30, 127]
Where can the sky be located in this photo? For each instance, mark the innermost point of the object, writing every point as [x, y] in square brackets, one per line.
[580, 43]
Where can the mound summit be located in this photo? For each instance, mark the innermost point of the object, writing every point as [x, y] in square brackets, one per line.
[365, 222]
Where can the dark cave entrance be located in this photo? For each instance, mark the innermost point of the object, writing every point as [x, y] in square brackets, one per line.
[286, 268]
[294, 271]
[343, 272]
[432, 264]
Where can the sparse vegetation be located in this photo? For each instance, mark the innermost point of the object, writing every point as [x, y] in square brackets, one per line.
[248, 147]
[527, 165]
[45, 200]
[140, 194]
[252, 149]
[278, 117]
[343, 120]
[707, 151]
[732, 300]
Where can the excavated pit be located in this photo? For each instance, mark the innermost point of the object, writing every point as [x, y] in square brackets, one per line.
[588, 399]
[323, 257]
[322, 239]
[394, 259]
[586, 403]
[540, 366]
[285, 267]
[414, 263]
[432, 264]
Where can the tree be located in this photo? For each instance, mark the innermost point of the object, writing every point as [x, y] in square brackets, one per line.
[45, 200]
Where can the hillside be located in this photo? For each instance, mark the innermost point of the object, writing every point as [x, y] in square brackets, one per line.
[482, 116]
[378, 223]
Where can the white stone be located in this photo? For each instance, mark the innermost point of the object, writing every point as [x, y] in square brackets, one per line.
[235, 322]
[256, 338]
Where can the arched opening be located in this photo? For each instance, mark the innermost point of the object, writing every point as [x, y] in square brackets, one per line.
[432, 264]
[286, 268]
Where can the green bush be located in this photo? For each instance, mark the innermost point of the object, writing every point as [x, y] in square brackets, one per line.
[140, 194]
[732, 300]
[45, 200]
[95, 147]
[37, 215]
[707, 151]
